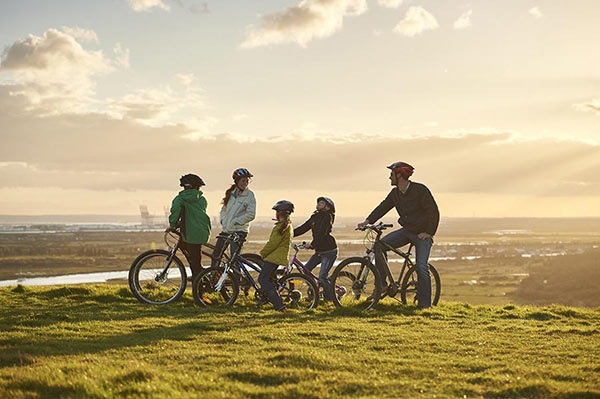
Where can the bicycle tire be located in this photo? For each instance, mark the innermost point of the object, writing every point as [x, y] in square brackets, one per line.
[349, 274]
[147, 289]
[409, 285]
[204, 288]
[298, 291]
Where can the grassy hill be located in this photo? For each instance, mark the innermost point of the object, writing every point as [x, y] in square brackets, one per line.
[98, 342]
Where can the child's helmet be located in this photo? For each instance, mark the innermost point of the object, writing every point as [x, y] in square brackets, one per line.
[403, 168]
[191, 180]
[328, 201]
[285, 206]
[241, 172]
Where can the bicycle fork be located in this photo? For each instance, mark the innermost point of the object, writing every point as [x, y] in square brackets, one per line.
[163, 273]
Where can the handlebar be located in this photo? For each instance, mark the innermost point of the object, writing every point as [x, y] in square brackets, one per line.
[298, 247]
[376, 227]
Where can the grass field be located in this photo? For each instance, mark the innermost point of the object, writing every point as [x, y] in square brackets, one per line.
[96, 341]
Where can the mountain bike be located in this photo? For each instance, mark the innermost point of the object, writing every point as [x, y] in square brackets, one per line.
[219, 286]
[159, 277]
[361, 278]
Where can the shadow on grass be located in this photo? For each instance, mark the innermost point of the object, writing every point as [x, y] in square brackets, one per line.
[14, 355]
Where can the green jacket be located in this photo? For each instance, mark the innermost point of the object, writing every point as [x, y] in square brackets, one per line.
[197, 222]
[277, 249]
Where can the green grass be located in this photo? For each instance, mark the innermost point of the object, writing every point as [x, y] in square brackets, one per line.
[96, 341]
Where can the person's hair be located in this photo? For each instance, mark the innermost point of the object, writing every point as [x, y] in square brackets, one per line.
[286, 221]
[228, 194]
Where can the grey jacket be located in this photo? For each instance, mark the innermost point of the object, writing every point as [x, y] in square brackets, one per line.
[239, 211]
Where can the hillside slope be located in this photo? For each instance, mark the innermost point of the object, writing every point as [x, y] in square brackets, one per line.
[98, 342]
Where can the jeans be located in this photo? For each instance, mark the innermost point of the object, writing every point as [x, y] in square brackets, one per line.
[193, 254]
[326, 259]
[220, 247]
[264, 279]
[398, 239]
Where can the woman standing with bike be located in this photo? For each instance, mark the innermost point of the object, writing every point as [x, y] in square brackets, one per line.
[326, 251]
[238, 210]
[277, 251]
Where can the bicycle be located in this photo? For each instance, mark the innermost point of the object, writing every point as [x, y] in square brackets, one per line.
[219, 286]
[158, 276]
[361, 278]
[294, 261]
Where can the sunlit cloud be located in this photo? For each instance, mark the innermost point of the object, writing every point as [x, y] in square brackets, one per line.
[103, 153]
[464, 21]
[390, 3]
[147, 5]
[311, 19]
[535, 12]
[166, 105]
[81, 33]
[416, 21]
[590, 106]
[54, 72]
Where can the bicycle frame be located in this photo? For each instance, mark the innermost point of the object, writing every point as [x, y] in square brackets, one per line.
[176, 246]
[370, 257]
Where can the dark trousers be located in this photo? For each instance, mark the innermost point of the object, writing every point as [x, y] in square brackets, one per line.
[264, 279]
[193, 253]
[398, 239]
[220, 247]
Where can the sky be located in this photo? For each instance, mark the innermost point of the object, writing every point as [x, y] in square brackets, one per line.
[104, 105]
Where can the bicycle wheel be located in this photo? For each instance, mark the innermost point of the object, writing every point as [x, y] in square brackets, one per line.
[206, 292]
[298, 291]
[355, 281]
[147, 282]
[408, 292]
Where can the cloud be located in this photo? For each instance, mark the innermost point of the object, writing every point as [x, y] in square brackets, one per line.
[390, 3]
[590, 106]
[147, 5]
[94, 151]
[165, 105]
[81, 33]
[309, 20]
[416, 21]
[121, 56]
[464, 21]
[54, 72]
[535, 12]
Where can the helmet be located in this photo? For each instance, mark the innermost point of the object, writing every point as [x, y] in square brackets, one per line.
[285, 206]
[328, 201]
[241, 172]
[403, 168]
[191, 180]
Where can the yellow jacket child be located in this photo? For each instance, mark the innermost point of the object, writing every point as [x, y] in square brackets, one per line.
[277, 251]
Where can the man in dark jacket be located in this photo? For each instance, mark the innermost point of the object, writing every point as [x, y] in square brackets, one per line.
[419, 217]
[326, 251]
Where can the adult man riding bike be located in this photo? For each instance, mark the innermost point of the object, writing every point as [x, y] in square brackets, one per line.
[419, 218]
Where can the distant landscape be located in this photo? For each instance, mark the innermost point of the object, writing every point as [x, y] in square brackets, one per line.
[481, 261]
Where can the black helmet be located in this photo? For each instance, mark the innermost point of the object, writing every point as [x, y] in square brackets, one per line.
[241, 172]
[285, 206]
[191, 180]
[328, 201]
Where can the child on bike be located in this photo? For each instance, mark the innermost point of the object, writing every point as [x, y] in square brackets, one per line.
[326, 251]
[238, 210]
[276, 251]
[193, 221]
